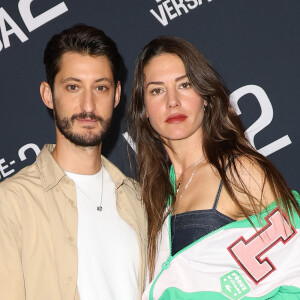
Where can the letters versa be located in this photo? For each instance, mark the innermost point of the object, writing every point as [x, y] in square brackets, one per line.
[248, 253]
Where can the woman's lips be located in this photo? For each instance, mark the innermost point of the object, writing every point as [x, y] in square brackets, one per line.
[177, 118]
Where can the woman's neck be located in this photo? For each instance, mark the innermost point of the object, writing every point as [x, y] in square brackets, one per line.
[184, 154]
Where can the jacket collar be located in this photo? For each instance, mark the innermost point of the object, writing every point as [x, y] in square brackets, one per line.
[52, 174]
[117, 176]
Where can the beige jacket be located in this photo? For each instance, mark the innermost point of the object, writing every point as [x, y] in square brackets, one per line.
[38, 230]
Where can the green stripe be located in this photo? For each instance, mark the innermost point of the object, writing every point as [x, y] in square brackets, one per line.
[280, 293]
[258, 221]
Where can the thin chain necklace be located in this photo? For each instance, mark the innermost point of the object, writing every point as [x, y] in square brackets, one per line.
[99, 208]
[195, 165]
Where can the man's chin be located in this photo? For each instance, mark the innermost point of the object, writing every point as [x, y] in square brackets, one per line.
[86, 140]
[86, 143]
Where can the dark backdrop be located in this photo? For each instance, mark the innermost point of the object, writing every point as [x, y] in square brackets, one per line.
[254, 44]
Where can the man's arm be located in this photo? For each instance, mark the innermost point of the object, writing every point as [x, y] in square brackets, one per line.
[11, 273]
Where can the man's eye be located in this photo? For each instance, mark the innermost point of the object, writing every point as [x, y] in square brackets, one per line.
[156, 91]
[185, 85]
[72, 87]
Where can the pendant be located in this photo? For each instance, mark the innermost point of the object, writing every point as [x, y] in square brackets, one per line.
[178, 187]
[99, 208]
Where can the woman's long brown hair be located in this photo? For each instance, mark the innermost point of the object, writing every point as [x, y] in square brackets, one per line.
[223, 138]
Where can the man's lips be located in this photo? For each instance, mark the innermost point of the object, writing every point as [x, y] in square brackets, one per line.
[176, 118]
[86, 120]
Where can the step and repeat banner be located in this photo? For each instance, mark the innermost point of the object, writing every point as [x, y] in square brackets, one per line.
[254, 44]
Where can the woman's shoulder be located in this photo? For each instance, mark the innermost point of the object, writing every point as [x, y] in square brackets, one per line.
[250, 182]
[246, 167]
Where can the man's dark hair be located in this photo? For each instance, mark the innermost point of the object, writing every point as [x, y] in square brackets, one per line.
[82, 39]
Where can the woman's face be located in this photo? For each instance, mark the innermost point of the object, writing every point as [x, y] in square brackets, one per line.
[174, 109]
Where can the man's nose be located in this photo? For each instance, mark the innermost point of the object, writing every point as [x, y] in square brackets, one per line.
[88, 101]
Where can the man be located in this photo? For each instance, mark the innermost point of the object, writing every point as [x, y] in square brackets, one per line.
[71, 224]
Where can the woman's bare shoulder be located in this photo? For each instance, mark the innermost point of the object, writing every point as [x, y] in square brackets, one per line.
[248, 178]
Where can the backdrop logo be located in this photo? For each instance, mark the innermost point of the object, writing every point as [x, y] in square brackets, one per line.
[6, 167]
[8, 26]
[171, 9]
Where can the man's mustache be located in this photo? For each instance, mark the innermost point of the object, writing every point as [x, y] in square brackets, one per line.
[86, 115]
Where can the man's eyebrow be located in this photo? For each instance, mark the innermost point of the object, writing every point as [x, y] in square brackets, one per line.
[79, 80]
[161, 82]
[70, 79]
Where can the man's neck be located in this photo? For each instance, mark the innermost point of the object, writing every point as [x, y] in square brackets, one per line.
[76, 159]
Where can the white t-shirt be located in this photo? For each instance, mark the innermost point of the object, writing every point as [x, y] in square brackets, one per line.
[108, 253]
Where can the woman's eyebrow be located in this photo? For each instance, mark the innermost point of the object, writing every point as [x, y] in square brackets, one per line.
[161, 82]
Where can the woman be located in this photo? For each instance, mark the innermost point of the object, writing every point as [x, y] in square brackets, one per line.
[221, 218]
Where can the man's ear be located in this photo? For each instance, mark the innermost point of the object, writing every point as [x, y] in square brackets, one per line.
[117, 94]
[46, 94]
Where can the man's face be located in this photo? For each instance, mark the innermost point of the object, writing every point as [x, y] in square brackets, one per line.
[84, 98]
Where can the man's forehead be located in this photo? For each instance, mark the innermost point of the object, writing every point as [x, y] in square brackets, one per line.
[83, 64]
[71, 56]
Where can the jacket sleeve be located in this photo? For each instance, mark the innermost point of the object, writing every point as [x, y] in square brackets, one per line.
[11, 273]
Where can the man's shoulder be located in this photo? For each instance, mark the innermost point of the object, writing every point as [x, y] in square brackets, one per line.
[27, 176]
[17, 190]
[30, 175]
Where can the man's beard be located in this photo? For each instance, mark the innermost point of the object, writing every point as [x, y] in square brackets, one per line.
[89, 139]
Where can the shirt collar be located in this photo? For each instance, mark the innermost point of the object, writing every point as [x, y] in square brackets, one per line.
[117, 176]
[52, 174]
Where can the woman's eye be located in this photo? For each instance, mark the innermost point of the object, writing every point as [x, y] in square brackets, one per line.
[156, 91]
[72, 87]
[185, 85]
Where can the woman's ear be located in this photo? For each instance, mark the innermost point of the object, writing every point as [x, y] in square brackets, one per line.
[205, 104]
